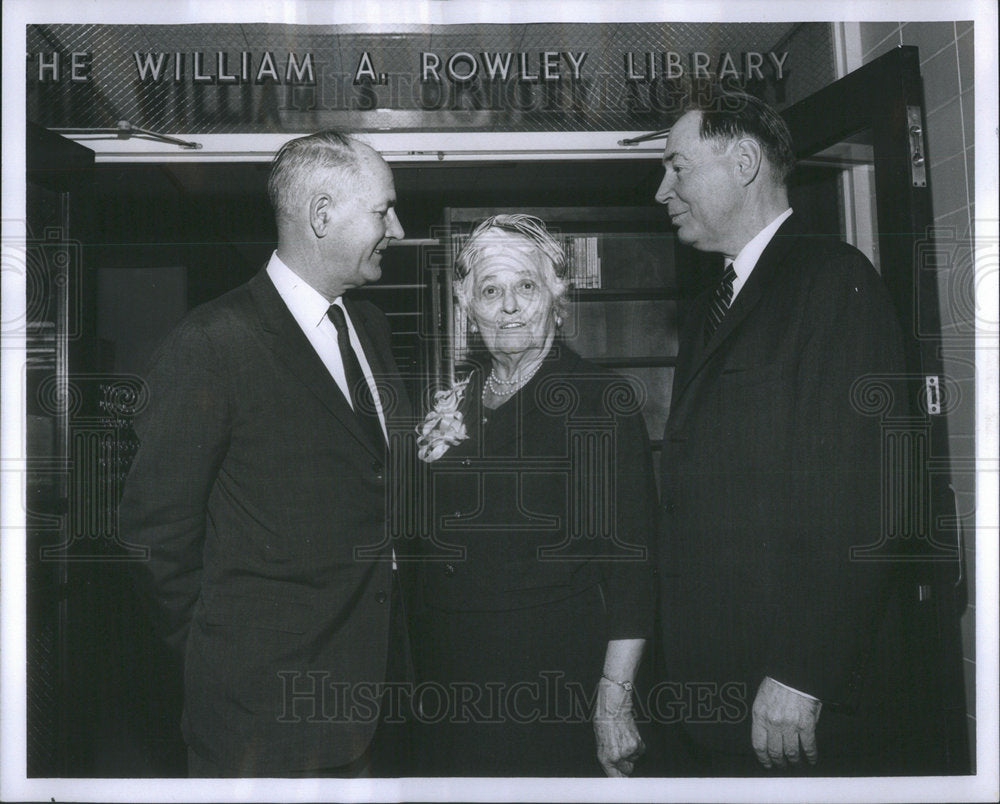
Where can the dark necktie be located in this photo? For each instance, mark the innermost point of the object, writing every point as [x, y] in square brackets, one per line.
[361, 395]
[721, 300]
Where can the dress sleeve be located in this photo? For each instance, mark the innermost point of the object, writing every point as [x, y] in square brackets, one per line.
[628, 573]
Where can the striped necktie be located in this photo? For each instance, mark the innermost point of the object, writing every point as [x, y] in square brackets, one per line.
[721, 300]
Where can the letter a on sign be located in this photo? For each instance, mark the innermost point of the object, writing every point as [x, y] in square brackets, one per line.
[365, 69]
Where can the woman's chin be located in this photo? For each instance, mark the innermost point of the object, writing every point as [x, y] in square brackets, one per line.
[514, 344]
[515, 341]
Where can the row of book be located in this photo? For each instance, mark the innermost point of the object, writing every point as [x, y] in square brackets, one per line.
[583, 262]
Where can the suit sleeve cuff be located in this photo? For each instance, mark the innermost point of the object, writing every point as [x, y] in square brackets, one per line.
[792, 689]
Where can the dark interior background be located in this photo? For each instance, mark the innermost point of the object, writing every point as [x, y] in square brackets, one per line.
[205, 228]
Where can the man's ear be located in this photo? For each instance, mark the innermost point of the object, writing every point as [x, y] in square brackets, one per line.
[320, 207]
[749, 156]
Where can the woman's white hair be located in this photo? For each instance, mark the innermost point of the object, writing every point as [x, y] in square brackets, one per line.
[546, 250]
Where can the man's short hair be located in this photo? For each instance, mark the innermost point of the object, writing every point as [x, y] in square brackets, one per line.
[301, 162]
[730, 114]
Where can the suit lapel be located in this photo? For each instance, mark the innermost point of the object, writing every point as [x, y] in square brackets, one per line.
[768, 267]
[690, 344]
[284, 336]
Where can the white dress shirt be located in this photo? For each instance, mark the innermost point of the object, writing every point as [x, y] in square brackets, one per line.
[309, 309]
[747, 259]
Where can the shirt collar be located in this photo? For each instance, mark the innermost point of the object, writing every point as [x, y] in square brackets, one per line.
[305, 302]
[747, 259]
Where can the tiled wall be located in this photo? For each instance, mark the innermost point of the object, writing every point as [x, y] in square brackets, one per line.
[947, 68]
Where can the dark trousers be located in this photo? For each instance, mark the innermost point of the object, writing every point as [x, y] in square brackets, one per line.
[390, 753]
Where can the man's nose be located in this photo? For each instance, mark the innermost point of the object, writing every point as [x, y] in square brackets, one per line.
[666, 189]
[394, 230]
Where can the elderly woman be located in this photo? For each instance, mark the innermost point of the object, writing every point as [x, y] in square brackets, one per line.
[536, 593]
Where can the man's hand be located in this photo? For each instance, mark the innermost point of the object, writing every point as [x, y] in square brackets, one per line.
[784, 725]
[618, 742]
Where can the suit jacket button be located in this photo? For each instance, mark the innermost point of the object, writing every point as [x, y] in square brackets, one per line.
[449, 569]
[466, 462]
[380, 597]
[377, 468]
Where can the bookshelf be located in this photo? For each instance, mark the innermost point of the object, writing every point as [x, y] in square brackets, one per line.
[626, 302]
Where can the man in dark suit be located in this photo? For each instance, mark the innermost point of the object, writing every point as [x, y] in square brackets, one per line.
[781, 640]
[261, 478]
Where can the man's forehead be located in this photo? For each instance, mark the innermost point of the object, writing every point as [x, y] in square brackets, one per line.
[369, 160]
[374, 173]
[364, 153]
[684, 135]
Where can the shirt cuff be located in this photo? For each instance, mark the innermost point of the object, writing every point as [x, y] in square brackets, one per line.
[792, 689]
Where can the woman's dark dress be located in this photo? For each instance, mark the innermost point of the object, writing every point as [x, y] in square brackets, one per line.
[540, 522]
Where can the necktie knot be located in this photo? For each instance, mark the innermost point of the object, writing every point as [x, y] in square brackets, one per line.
[336, 315]
[727, 282]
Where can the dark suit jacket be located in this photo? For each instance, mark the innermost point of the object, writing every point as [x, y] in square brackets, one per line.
[252, 487]
[771, 473]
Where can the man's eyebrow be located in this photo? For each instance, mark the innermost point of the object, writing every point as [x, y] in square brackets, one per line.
[669, 157]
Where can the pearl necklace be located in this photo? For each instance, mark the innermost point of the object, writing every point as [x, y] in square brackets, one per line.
[492, 382]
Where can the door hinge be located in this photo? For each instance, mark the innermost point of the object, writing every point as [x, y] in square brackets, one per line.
[918, 153]
[932, 394]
